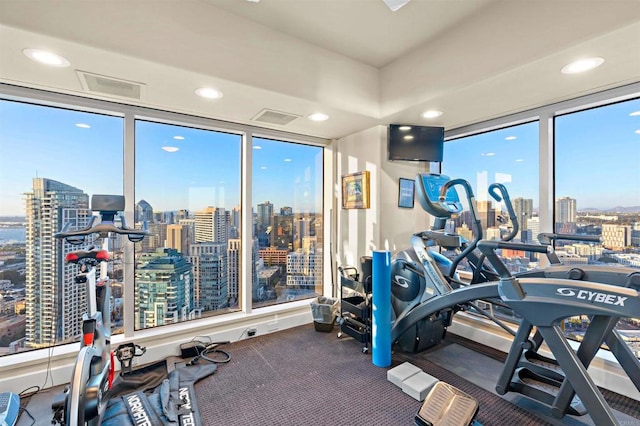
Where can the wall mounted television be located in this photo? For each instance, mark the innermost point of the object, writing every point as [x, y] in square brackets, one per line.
[415, 143]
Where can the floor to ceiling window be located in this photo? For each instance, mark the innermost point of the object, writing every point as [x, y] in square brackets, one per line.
[182, 177]
[51, 161]
[508, 156]
[287, 234]
[188, 192]
[597, 192]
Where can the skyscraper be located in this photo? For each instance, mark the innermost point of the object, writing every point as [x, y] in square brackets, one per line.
[523, 208]
[265, 213]
[54, 302]
[487, 214]
[164, 289]
[178, 237]
[566, 210]
[212, 225]
[144, 212]
[210, 265]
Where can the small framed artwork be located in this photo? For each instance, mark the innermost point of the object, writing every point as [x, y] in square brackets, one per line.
[405, 193]
[355, 191]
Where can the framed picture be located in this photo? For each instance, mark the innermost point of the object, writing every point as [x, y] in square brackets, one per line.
[405, 193]
[355, 191]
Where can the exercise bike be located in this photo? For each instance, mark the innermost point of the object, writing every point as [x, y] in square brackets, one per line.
[86, 397]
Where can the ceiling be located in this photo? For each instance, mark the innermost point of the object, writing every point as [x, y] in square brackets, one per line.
[355, 60]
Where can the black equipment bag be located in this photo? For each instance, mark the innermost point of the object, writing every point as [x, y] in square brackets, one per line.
[151, 396]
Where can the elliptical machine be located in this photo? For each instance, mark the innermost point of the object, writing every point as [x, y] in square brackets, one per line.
[419, 273]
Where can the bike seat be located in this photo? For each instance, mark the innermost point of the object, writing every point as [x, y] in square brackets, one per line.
[77, 256]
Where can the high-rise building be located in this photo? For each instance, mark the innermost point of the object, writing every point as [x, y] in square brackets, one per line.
[191, 223]
[487, 214]
[233, 261]
[164, 289]
[211, 290]
[523, 208]
[616, 237]
[54, 303]
[212, 225]
[233, 271]
[282, 232]
[566, 210]
[304, 270]
[157, 237]
[144, 212]
[265, 213]
[234, 225]
[179, 238]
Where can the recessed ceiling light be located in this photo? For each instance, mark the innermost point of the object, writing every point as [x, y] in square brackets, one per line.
[637, 131]
[404, 128]
[432, 113]
[408, 137]
[209, 93]
[488, 154]
[83, 125]
[179, 138]
[635, 114]
[47, 58]
[519, 160]
[582, 65]
[287, 160]
[264, 167]
[318, 116]
[257, 147]
[171, 148]
[510, 138]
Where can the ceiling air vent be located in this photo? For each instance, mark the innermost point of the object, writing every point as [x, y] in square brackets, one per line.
[111, 86]
[275, 117]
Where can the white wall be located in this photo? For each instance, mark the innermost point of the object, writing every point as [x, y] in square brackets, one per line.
[384, 226]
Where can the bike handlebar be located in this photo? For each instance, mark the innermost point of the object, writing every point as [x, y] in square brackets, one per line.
[103, 229]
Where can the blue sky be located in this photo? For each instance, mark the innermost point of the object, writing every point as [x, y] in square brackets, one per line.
[598, 152]
[203, 169]
[597, 155]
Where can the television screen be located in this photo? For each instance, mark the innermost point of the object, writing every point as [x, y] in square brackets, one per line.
[415, 143]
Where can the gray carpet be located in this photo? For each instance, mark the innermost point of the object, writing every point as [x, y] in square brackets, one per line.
[301, 376]
[298, 377]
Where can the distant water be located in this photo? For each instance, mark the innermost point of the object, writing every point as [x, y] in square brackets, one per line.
[12, 235]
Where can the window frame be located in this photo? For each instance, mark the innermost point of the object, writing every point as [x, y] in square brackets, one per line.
[132, 113]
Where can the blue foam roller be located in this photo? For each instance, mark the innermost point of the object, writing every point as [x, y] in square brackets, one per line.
[381, 309]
